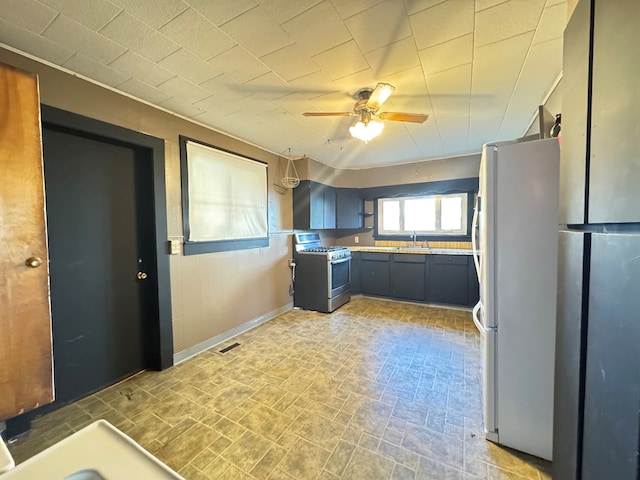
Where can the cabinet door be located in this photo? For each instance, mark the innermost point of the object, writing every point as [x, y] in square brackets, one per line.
[448, 279]
[355, 272]
[329, 207]
[316, 206]
[349, 207]
[25, 341]
[375, 274]
[408, 276]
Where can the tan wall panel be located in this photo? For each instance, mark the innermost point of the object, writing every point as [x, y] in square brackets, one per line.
[210, 293]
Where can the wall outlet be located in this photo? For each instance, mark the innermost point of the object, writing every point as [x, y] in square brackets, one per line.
[356, 239]
[174, 247]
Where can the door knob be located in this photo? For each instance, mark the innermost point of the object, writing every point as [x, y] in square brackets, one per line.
[141, 275]
[33, 262]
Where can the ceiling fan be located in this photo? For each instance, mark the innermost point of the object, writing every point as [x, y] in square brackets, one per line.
[367, 106]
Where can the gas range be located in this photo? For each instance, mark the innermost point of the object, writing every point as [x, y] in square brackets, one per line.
[332, 253]
[310, 244]
[322, 274]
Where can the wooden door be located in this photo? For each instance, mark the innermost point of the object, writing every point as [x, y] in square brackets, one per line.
[26, 378]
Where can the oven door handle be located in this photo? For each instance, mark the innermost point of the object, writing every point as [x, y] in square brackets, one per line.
[339, 260]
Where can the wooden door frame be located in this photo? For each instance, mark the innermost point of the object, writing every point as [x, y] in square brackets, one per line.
[161, 341]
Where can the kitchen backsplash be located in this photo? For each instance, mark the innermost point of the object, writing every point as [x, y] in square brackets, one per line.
[456, 245]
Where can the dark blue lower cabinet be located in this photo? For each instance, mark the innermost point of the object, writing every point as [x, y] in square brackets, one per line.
[443, 279]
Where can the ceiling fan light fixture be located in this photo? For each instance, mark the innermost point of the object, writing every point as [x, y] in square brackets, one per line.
[366, 131]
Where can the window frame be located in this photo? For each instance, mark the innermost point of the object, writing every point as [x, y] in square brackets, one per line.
[194, 247]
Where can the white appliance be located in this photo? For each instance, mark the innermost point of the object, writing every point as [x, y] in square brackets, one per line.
[516, 220]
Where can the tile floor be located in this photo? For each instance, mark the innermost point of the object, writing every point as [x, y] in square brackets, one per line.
[376, 390]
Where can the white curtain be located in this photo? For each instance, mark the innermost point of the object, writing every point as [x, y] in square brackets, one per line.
[227, 195]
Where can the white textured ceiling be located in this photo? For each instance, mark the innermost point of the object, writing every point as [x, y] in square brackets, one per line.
[251, 67]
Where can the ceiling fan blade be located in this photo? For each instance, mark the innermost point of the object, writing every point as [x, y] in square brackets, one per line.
[404, 117]
[380, 95]
[327, 114]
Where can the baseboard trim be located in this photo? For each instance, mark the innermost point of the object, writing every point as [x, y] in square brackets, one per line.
[223, 337]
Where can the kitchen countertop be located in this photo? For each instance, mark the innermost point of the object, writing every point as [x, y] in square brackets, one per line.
[414, 250]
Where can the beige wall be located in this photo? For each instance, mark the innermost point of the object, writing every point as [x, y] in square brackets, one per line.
[210, 293]
[426, 171]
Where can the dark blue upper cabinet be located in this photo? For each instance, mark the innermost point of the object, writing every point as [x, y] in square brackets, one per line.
[314, 206]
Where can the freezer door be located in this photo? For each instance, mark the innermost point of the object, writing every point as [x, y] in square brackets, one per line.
[612, 387]
[573, 251]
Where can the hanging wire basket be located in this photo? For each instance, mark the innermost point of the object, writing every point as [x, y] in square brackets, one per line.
[291, 178]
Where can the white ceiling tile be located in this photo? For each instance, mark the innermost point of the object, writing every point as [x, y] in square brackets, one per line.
[27, 14]
[449, 91]
[90, 68]
[33, 43]
[454, 133]
[350, 84]
[136, 66]
[290, 62]
[315, 36]
[70, 34]
[393, 58]
[269, 87]
[187, 65]
[127, 30]
[380, 25]
[258, 105]
[197, 34]
[507, 20]
[348, 8]
[552, 23]
[95, 14]
[226, 88]
[221, 12]
[184, 90]
[341, 61]
[215, 108]
[143, 91]
[257, 32]
[535, 82]
[239, 64]
[426, 136]
[283, 10]
[295, 104]
[446, 55]
[415, 6]
[484, 4]
[313, 85]
[497, 65]
[155, 13]
[337, 101]
[443, 22]
[180, 107]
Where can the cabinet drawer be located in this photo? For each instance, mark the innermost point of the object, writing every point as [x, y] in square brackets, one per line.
[450, 259]
[408, 258]
[375, 257]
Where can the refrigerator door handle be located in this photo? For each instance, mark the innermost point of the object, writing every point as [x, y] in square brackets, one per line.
[474, 240]
[479, 325]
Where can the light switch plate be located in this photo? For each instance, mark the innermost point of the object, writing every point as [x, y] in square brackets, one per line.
[174, 247]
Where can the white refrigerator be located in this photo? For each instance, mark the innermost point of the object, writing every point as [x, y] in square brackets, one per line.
[515, 249]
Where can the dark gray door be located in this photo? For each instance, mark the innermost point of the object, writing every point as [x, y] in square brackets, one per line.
[101, 235]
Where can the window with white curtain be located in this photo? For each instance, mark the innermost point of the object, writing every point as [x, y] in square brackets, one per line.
[225, 202]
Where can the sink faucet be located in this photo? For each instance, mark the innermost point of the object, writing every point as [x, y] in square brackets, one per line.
[413, 237]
